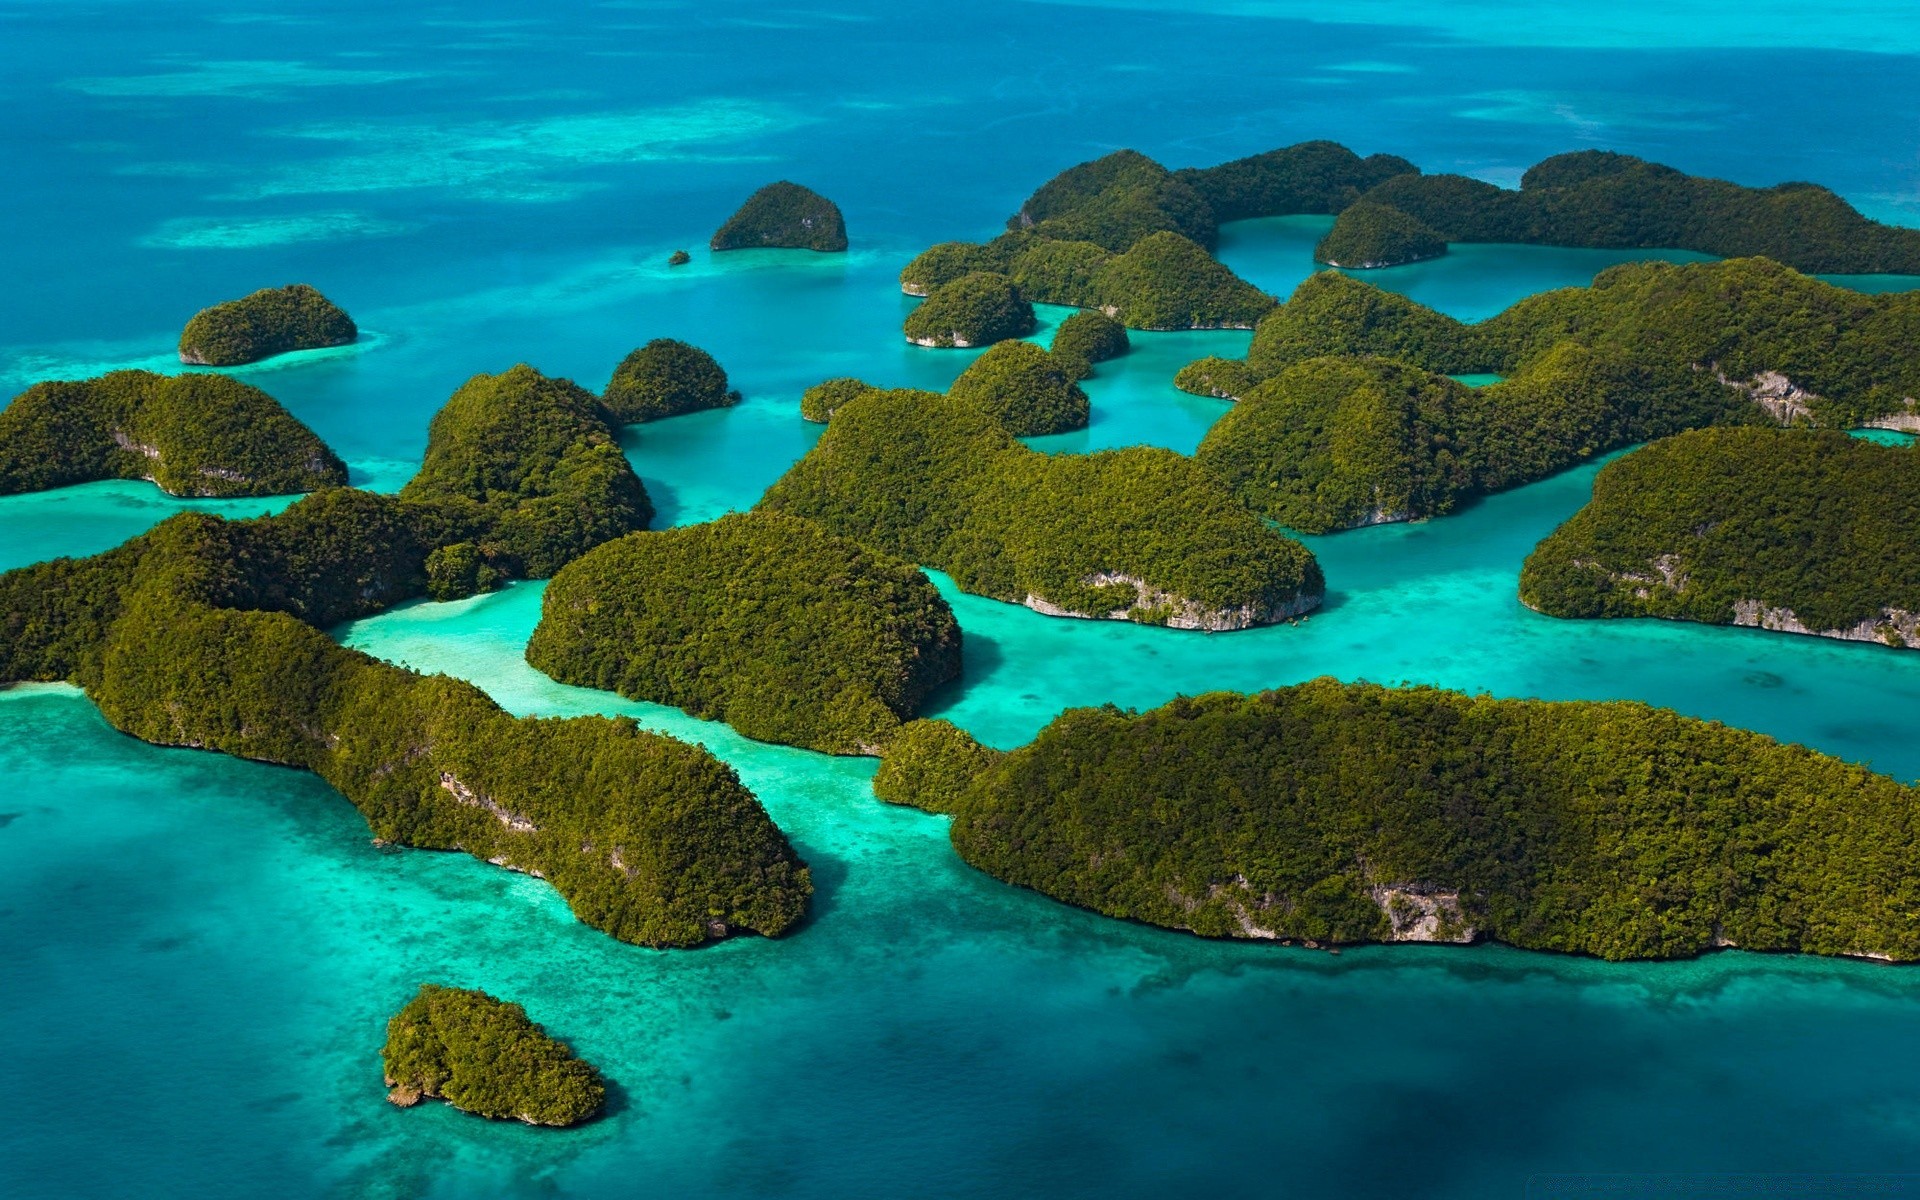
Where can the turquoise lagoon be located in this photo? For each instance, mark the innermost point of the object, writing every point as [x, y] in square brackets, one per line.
[197, 954]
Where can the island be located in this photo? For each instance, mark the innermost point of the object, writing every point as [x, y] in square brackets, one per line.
[786, 632]
[191, 435]
[784, 215]
[483, 1056]
[1166, 281]
[976, 309]
[823, 399]
[1369, 234]
[268, 322]
[1802, 531]
[665, 378]
[1086, 338]
[1141, 534]
[1025, 388]
[679, 258]
[1602, 199]
[1331, 813]
[1651, 349]
[206, 633]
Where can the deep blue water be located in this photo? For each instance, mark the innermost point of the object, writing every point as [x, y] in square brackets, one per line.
[197, 954]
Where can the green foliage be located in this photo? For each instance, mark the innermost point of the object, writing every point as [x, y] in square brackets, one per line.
[764, 621]
[1142, 533]
[1115, 202]
[268, 322]
[193, 435]
[1060, 272]
[944, 262]
[1598, 198]
[1168, 282]
[204, 632]
[1086, 338]
[1331, 443]
[482, 1055]
[1025, 388]
[974, 310]
[1312, 177]
[665, 378]
[929, 764]
[1332, 813]
[1740, 319]
[1368, 234]
[526, 467]
[823, 399]
[1819, 523]
[679, 258]
[784, 214]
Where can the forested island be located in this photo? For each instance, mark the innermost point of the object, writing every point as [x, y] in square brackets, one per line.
[784, 215]
[1140, 534]
[1602, 199]
[483, 1056]
[192, 435]
[823, 399]
[974, 309]
[1086, 338]
[1323, 439]
[267, 322]
[767, 622]
[1800, 531]
[207, 633]
[665, 378]
[1025, 388]
[1332, 813]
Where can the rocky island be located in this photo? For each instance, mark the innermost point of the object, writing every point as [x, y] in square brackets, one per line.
[1086, 338]
[1141, 534]
[1331, 813]
[1027, 389]
[767, 622]
[268, 322]
[191, 435]
[784, 215]
[823, 399]
[483, 1056]
[1649, 350]
[665, 378]
[976, 309]
[206, 633]
[1792, 530]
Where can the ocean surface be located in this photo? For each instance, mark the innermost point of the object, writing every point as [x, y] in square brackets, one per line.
[197, 955]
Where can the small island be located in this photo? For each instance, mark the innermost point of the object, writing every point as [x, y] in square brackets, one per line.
[977, 309]
[1141, 534]
[483, 1056]
[1331, 813]
[823, 399]
[1086, 338]
[1369, 235]
[1801, 531]
[784, 215]
[1166, 281]
[665, 378]
[207, 633]
[191, 435]
[767, 622]
[1025, 388]
[268, 322]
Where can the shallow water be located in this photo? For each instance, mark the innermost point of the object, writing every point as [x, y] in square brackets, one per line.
[197, 954]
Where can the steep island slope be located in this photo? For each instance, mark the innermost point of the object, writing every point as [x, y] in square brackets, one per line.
[483, 1056]
[784, 215]
[267, 322]
[1800, 531]
[1139, 534]
[1335, 813]
[192, 435]
[764, 621]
